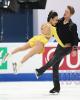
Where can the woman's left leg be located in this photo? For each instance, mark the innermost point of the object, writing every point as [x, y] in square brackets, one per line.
[34, 50]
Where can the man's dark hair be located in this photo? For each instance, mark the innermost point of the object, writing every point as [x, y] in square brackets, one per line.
[52, 14]
[72, 10]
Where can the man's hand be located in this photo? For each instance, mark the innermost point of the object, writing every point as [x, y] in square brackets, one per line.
[74, 53]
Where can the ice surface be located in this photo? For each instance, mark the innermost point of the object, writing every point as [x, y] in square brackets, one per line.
[37, 91]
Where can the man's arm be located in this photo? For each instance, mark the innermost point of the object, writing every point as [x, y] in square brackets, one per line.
[75, 36]
[75, 40]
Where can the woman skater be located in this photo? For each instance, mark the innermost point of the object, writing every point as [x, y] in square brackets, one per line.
[37, 43]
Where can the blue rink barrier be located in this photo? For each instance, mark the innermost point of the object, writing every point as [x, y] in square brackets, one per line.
[32, 77]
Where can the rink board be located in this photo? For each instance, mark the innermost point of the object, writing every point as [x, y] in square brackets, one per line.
[69, 66]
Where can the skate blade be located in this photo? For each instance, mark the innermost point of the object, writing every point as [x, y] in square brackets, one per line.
[15, 69]
[36, 74]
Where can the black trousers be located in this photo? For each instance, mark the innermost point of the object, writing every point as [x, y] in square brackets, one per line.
[59, 54]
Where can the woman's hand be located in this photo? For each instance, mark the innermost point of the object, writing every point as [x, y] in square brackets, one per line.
[74, 53]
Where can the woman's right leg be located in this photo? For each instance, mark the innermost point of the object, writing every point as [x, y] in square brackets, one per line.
[22, 48]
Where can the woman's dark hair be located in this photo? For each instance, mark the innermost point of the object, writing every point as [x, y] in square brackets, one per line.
[52, 14]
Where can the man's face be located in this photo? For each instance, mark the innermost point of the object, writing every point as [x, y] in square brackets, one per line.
[67, 13]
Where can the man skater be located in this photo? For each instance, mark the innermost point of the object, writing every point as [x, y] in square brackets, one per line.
[67, 32]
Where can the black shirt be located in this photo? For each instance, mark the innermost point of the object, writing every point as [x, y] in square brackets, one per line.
[67, 32]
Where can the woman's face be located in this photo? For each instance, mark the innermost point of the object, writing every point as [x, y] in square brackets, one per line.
[54, 21]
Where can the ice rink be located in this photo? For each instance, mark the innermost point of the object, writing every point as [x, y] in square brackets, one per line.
[38, 91]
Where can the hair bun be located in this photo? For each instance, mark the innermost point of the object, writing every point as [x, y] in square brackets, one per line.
[50, 13]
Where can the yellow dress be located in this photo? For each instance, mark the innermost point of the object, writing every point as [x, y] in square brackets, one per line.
[41, 38]
[45, 38]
